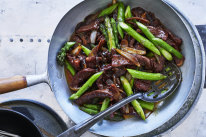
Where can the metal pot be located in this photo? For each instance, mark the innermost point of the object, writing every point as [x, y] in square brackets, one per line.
[16, 123]
[172, 111]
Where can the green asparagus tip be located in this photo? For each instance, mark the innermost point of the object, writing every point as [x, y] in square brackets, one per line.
[73, 97]
[164, 77]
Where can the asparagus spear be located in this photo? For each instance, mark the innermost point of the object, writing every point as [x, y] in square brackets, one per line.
[145, 42]
[146, 75]
[88, 84]
[146, 105]
[108, 10]
[114, 26]
[105, 104]
[92, 106]
[120, 18]
[110, 34]
[150, 36]
[86, 50]
[70, 68]
[104, 32]
[129, 92]
[89, 111]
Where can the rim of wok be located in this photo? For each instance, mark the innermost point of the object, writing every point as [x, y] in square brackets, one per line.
[195, 90]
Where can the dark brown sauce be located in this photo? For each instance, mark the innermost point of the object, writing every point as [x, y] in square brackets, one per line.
[68, 76]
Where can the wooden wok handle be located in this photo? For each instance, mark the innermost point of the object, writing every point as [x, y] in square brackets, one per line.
[19, 82]
[12, 83]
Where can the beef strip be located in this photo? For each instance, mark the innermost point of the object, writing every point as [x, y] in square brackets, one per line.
[105, 79]
[176, 43]
[82, 76]
[85, 37]
[93, 25]
[87, 97]
[144, 61]
[115, 91]
[106, 67]
[157, 66]
[74, 61]
[138, 18]
[118, 60]
[158, 32]
[119, 71]
[106, 56]
[90, 18]
[76, 38]
[141, 85]
[175, 39]
[93, 62]
[138, 12]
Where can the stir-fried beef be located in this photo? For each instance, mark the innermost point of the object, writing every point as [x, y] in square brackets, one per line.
[106, 67]
[157, 66]
[96, 49]
[105, 79]
[158, 32]
[75, 62]
[144, 61]
[141, 85]
[90, 18]
[138, 12]
[118, 60]
[85, 37]
[93, 62]
[82, 76]
[120, 71]
[177, 40]
[103, 93]
[115, 91]
[138, 18]
[76, 39]
[93, 25]
[107, 56]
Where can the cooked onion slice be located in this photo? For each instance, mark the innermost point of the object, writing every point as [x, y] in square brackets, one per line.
[76, 50]
[128, 56]
[93, 36]
[134, 51]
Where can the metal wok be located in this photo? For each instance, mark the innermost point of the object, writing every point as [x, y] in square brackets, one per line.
[172, 111]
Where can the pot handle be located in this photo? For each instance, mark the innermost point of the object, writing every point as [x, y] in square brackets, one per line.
[20, 82]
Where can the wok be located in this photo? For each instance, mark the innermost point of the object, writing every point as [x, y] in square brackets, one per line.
[172, 111]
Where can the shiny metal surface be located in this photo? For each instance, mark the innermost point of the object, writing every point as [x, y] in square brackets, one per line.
[173, 109]
[36, 79]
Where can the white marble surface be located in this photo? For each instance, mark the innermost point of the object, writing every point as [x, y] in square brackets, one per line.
[37, 19]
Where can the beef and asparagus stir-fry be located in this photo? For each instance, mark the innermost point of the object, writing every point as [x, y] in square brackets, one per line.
[115, 53]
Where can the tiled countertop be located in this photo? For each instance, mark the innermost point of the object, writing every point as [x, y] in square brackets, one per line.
[37, 19]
